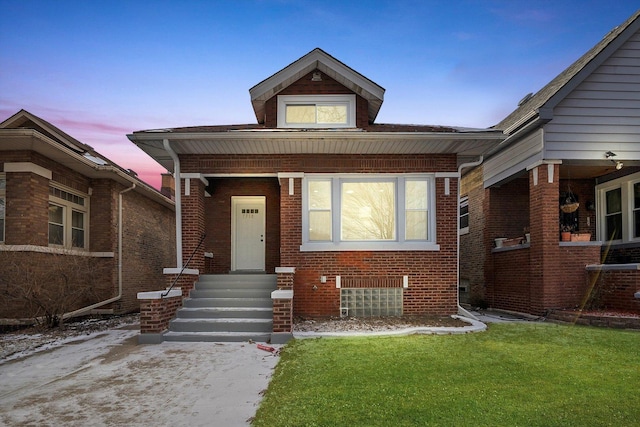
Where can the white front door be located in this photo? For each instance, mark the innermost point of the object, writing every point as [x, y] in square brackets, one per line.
[248, 233]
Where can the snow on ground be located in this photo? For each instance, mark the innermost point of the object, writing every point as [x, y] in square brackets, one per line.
[104, 378]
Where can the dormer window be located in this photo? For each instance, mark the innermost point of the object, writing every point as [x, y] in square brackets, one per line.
[316, 111]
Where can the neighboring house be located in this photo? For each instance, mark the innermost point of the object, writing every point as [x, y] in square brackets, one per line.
[363, 215]
[73, 223]
[570, 162]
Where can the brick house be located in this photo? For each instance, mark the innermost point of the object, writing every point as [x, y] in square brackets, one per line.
[570, 162]
[352, 216]
[67, 211]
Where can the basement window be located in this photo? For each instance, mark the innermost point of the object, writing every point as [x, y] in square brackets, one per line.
[317, 111]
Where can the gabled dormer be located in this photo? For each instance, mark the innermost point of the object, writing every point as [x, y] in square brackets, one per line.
[316, 91]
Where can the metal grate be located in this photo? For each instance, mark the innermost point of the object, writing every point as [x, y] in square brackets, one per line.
[369, 302]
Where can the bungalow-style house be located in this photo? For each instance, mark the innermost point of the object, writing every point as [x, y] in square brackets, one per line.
[347, 216]
[78, 234]
[551, 219]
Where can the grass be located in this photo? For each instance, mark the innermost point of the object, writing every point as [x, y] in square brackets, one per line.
[512, 375]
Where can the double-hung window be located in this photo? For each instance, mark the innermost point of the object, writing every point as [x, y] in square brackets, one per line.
[317, 111]
[368, 212]
[3, 204]
[68, 218]
[619, 202]
[464, 215]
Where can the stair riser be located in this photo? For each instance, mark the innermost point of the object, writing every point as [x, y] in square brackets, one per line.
[229, 302]
[181, 326]
[231, 293]
[257, 281]
[217, 338]
[213, 313]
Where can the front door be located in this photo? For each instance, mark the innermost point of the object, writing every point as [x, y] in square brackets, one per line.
[248, 233]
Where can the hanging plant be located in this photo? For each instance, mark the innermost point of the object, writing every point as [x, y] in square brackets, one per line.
[570, 204]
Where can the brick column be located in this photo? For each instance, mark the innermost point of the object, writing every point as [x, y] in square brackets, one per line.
[544, 220]
[155, 313]
[283, 306]
[192, 220]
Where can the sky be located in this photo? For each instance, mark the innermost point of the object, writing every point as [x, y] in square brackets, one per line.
[100, 70]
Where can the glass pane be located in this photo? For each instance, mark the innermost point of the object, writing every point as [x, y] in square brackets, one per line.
[77, 219]
[416, 227]
[3, 184]
[319, 194]
[636, 222]
[301, 114]
[55, 214]
[56, 234]
[614, 227]
[636, 195]
[332, 114]
[416, 194]
[77, 238]
[1, 208]
[464, 221]
[1, 230]
[614, 201]
[320, 225]
[368, 211]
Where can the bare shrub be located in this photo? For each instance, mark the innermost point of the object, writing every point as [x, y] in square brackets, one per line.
[44, 286]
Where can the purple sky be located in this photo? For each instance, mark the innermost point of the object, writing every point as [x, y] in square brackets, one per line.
[100, 70]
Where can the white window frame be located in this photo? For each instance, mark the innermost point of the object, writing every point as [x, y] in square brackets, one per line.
[625, 184]
[348, 100]
[464, 202]
[399, 244]
[3, 197]
[68, 208]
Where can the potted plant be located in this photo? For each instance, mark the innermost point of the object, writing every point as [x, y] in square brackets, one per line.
[565, 232]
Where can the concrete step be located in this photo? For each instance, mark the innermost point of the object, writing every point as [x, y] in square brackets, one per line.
[228, 302]
[237, 281]
[221, 325]
[216, 337]
[225, 312]
[231, 293]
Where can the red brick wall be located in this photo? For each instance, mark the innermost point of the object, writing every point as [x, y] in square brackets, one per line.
[432, 274]
[472, 247]
[616, 289]
[432, 281]
[149, 228]
[511, 288]
[193, 228]
[218, 219]
[304, 86]
[155, 314]
[571, 288]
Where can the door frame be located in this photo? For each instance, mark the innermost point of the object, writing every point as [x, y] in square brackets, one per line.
[235, 200]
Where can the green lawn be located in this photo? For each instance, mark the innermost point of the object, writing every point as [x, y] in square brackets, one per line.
[533, 374]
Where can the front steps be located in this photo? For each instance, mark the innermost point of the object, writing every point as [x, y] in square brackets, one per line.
[226, 308]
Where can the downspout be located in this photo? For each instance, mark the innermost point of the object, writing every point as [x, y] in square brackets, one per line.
[461, 310]
[119, 296]
[176, 177]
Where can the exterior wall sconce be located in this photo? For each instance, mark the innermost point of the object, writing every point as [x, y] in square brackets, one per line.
[317, 77]
[610, 155]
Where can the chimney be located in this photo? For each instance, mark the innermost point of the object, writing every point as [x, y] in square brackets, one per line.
[168, 188]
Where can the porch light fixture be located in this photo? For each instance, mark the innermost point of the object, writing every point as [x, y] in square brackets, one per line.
[609, 155]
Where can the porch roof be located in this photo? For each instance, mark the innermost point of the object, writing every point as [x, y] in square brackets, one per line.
[375, 139]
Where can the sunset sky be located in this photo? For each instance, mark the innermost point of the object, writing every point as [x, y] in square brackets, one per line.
[101, 70]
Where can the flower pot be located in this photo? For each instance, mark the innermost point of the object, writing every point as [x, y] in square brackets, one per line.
[499, 241]
[528, 237]
[581, 237]
[565, 236]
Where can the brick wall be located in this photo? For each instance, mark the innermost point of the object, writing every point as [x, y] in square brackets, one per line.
[472, 248]
[615, 289]
[511, 288]
[218, 219]
[155, 314]
[149, 231]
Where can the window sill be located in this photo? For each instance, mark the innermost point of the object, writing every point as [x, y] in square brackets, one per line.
[363, 246]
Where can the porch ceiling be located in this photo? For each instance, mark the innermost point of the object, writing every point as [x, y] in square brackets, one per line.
[464, 144]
